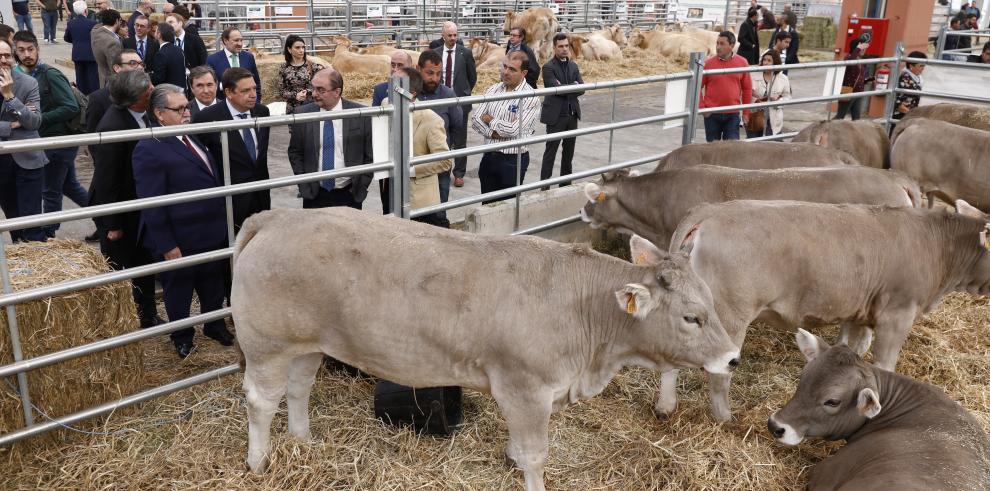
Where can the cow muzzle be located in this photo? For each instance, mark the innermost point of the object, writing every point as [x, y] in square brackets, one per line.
[723, 364]
[783, 432]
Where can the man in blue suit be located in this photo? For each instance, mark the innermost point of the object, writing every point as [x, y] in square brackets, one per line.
[176, 164]
[169, 65]
[232, 55]
[144, 8]
[77, 32]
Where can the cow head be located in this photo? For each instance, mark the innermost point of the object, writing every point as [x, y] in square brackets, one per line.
[619, 35]
[604, 209]
[510, 16]
[978, 281]
[637, 39]
[836, 396]
[675, 319]
[577, 45]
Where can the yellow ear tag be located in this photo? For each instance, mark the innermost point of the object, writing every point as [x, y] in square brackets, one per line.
[985, 239]
[601, 197]
[631, 304]
[641, 258]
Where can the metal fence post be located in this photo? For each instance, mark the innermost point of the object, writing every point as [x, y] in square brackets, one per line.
[312, 27]
[228, 200]
[401, 146]
[15, 338]
[940, 44]
[611, 133]
[725, 19]
[892, 86]
[693, 96]
[348, 15]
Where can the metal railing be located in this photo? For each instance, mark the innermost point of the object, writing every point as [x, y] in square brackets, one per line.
[398, 166]
[959, 54]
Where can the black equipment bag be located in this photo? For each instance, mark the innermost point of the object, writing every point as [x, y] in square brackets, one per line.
[432, 411]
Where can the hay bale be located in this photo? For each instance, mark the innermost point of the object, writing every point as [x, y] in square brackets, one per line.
[268, 71]
[64, 321]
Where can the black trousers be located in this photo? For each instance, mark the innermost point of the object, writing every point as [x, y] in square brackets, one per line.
[207, 280]
[124, 253]
[20, 196]
[460, 141]
[565, 123]
[337, 197]
[498, 171]
[385, 190]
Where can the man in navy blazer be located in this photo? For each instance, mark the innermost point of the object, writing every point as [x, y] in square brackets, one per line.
[77, 32]
[168, 66]
[144, 8]
[176, 164]
[232, 55]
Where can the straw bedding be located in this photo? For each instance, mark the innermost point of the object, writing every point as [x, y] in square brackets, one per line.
[65, 321]
[197, 438]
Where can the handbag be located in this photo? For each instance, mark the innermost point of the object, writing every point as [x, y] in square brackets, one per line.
[846, 89]
[757, 122]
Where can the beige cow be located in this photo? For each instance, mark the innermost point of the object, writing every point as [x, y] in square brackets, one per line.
[865, 140]
[755, 155]
[604, 44]
[537, 324]
[709, 38]
[672, 44]
[486, 54]
[540, 25]
[384, 49]
[345, 61]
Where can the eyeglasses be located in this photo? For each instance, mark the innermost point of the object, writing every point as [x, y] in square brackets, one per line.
[6, 55]
[180, 109]
[398, 65]
[133, 63]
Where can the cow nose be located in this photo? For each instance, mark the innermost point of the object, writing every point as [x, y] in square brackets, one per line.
[733, 363]
[776, 431]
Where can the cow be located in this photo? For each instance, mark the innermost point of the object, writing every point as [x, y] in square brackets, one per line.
[947, 160]
[901, 433]
[651, 205]
[975, 117]
[604, 44]
[384, 49]
[486, 54]
[540, 25]
[344, 61]
[703, 35]
[868, 268]
[754, 155]
[537, 324]
[865, 140]
[672, 44]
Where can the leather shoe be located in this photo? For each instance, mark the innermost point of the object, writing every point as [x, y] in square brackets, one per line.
[459, 182]
[184, 349]
[146, 323]
[224, 337]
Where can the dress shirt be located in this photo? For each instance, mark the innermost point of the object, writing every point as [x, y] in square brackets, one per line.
[204, 106]
[453, 64]
[228, 54]
[507, 115]
[139, 117]
[234, 114]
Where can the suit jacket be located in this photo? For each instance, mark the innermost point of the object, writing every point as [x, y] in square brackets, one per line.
[194, 106]
[130, 23]
[151, 47]
[533, 68]
[25, 92]
[428, 137]
[465, 75]
[106, 46]
[379, 93]
[749, 42]
[99, 103]
[166, 166]
[194, 49]
[113, 176]
[220, 63]
[77, 32]
[168, 66]
[304, 149]
[242, 169]
[555, 74]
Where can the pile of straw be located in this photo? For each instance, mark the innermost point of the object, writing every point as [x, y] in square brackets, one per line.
[197, 438]
[64, 321]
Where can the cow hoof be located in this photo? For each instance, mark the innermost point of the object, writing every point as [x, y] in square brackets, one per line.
[662, 415]
[721, 416]
[258, 467]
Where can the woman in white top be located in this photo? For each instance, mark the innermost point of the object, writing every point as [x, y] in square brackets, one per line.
[770, 85]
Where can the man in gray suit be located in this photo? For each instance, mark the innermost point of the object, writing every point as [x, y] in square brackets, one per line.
[458, 72]
[331, 144]
[22, 175]
[106, 43]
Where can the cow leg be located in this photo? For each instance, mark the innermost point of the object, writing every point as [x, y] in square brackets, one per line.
[302, 375]
[718, 388]
[892, 330]
[857, 337]
[667, 403]
[527, 414]
[264, 386]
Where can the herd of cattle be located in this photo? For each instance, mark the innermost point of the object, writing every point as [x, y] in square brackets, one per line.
[829, 229]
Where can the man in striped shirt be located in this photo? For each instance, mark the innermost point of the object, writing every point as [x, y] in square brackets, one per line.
[506, 120]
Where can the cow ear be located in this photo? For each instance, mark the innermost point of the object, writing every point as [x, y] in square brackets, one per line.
[635, 299]
[644, 253]
[810, 345]
[822, 140]
[967, 210]
[868, 403]
[594, 192]
[633, 173]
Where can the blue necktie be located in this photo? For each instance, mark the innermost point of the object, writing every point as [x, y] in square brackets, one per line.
[249, 140]
[141, 49]
[328, 148]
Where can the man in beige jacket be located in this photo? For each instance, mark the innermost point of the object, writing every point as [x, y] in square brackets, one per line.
[429, 137]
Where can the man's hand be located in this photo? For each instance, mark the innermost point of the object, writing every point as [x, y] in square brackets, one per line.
[6, 83]
[115, 235]
[902, 108]
[173, 254]
[486, 118]
[15, 124]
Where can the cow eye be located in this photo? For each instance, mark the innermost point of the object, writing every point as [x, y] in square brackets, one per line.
[692, 319]
[833, 403]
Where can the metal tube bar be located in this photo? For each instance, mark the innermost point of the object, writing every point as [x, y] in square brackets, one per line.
[948, 63]
[518, 197]
[694, 95]
[548, 225]
[401, 146]
[792, 102]
[15, 338]
[799, 66]
[944, 95]
[889, 106]
[611, 132]
[54, 424]
[940, 44]
[228, 200]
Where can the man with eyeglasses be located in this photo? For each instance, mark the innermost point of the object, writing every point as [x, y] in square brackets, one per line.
[144, 45]
[177, 164]
[113, 182]
[399, 60]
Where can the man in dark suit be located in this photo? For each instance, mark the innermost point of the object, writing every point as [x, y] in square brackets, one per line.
[113, 182]
[331, 144]
[77, 32]
[517, 41]
[99, 101]
[169, 66]
[458, 72]
[248, 148]
[190, 44]
[233, 56]
[203, 85]
[749, 42]
[177, 164]
[560, 112]
[144, 45]
[144, 9]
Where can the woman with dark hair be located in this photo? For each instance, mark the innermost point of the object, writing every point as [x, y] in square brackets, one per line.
[853, 81]
[769, 86]
[910, 79]
[296, 74]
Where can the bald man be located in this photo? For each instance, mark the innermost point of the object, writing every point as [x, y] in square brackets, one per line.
[400, 60]
[457, 72]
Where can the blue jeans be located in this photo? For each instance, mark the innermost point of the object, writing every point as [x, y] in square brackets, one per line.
[20, 196]
[722, 127]
[24, 22]
[50, 19]
[60, 178]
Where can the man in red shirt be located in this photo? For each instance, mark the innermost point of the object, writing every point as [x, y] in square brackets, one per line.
[725, 90]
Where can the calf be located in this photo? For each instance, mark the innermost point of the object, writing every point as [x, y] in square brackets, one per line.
[869, 268]
[755, 155]
[540, 24]
[538, 324]
[947, 160]
[900, 433]
[865, 140]
[651, 205]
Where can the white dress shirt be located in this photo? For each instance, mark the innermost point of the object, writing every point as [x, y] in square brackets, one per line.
[338, 147]
[234, 114]
[202, 106]
[139, 117]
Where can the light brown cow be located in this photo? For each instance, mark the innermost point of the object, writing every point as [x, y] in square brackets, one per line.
[976, 117]
[948, 161]
[901, 433]
[651, 205]
[707, 37]
[672, 44]
[384, 49]
[344, 61]
[604, 44]
[868, 268]
[540, 25]
[865, 140]
[754, 155]
[486, 54]
[536, 323]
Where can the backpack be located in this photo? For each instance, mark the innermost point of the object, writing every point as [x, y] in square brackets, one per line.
[77, 124]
